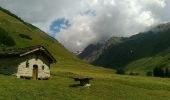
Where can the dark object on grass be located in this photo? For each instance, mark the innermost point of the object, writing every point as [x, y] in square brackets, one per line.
[134, 73]
[149, 73]
[120, 71]
[84, 81]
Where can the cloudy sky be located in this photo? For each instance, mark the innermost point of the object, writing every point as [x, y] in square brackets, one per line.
[78, 23]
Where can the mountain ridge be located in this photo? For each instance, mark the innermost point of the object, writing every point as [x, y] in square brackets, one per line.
[93, 51]
[139, 53]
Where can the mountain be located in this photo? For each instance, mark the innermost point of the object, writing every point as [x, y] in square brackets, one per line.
[139, 53]
[90, 52]
[93, 51]
[15, 33]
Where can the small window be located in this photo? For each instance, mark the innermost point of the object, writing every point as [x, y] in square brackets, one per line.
[27, 64]
[42, 67]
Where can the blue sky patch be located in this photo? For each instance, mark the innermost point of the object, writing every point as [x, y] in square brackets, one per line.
[90, 12]
[59, 24]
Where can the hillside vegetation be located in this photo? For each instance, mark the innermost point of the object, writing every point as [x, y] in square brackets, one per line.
[139, 53]
[5, 39]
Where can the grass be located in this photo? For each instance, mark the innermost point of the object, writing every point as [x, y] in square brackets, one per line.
[106, 85]
[144, 65]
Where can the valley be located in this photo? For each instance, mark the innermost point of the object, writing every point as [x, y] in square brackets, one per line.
[139, 53]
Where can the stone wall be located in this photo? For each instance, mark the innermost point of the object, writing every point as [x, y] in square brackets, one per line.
[17, 66]
[34, 60]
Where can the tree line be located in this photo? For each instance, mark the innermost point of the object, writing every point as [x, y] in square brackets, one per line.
[161, 71]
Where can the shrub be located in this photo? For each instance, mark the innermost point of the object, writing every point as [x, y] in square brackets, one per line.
[120, 71]
[149, 73]
[162, 71]
[5, 39]
[159, 72]
[133, 73]
[25, 36]
[167, 72]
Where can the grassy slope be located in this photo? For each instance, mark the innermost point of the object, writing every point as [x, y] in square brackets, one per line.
[14, 27]
[146, 64]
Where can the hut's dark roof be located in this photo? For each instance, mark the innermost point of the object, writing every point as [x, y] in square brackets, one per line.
[25, 51]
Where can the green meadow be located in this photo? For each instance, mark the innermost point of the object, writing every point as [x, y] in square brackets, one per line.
[106, 85]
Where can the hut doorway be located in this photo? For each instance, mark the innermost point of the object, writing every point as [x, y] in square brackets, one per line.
[35, 72]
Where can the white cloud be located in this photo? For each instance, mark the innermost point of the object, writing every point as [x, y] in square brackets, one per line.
[146, 18]
[91, 20]
[80, 25]
[161, 3]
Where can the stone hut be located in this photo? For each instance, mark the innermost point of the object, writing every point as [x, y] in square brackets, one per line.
[29, 63]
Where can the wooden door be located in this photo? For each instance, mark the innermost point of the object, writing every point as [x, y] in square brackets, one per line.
[35, 72]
